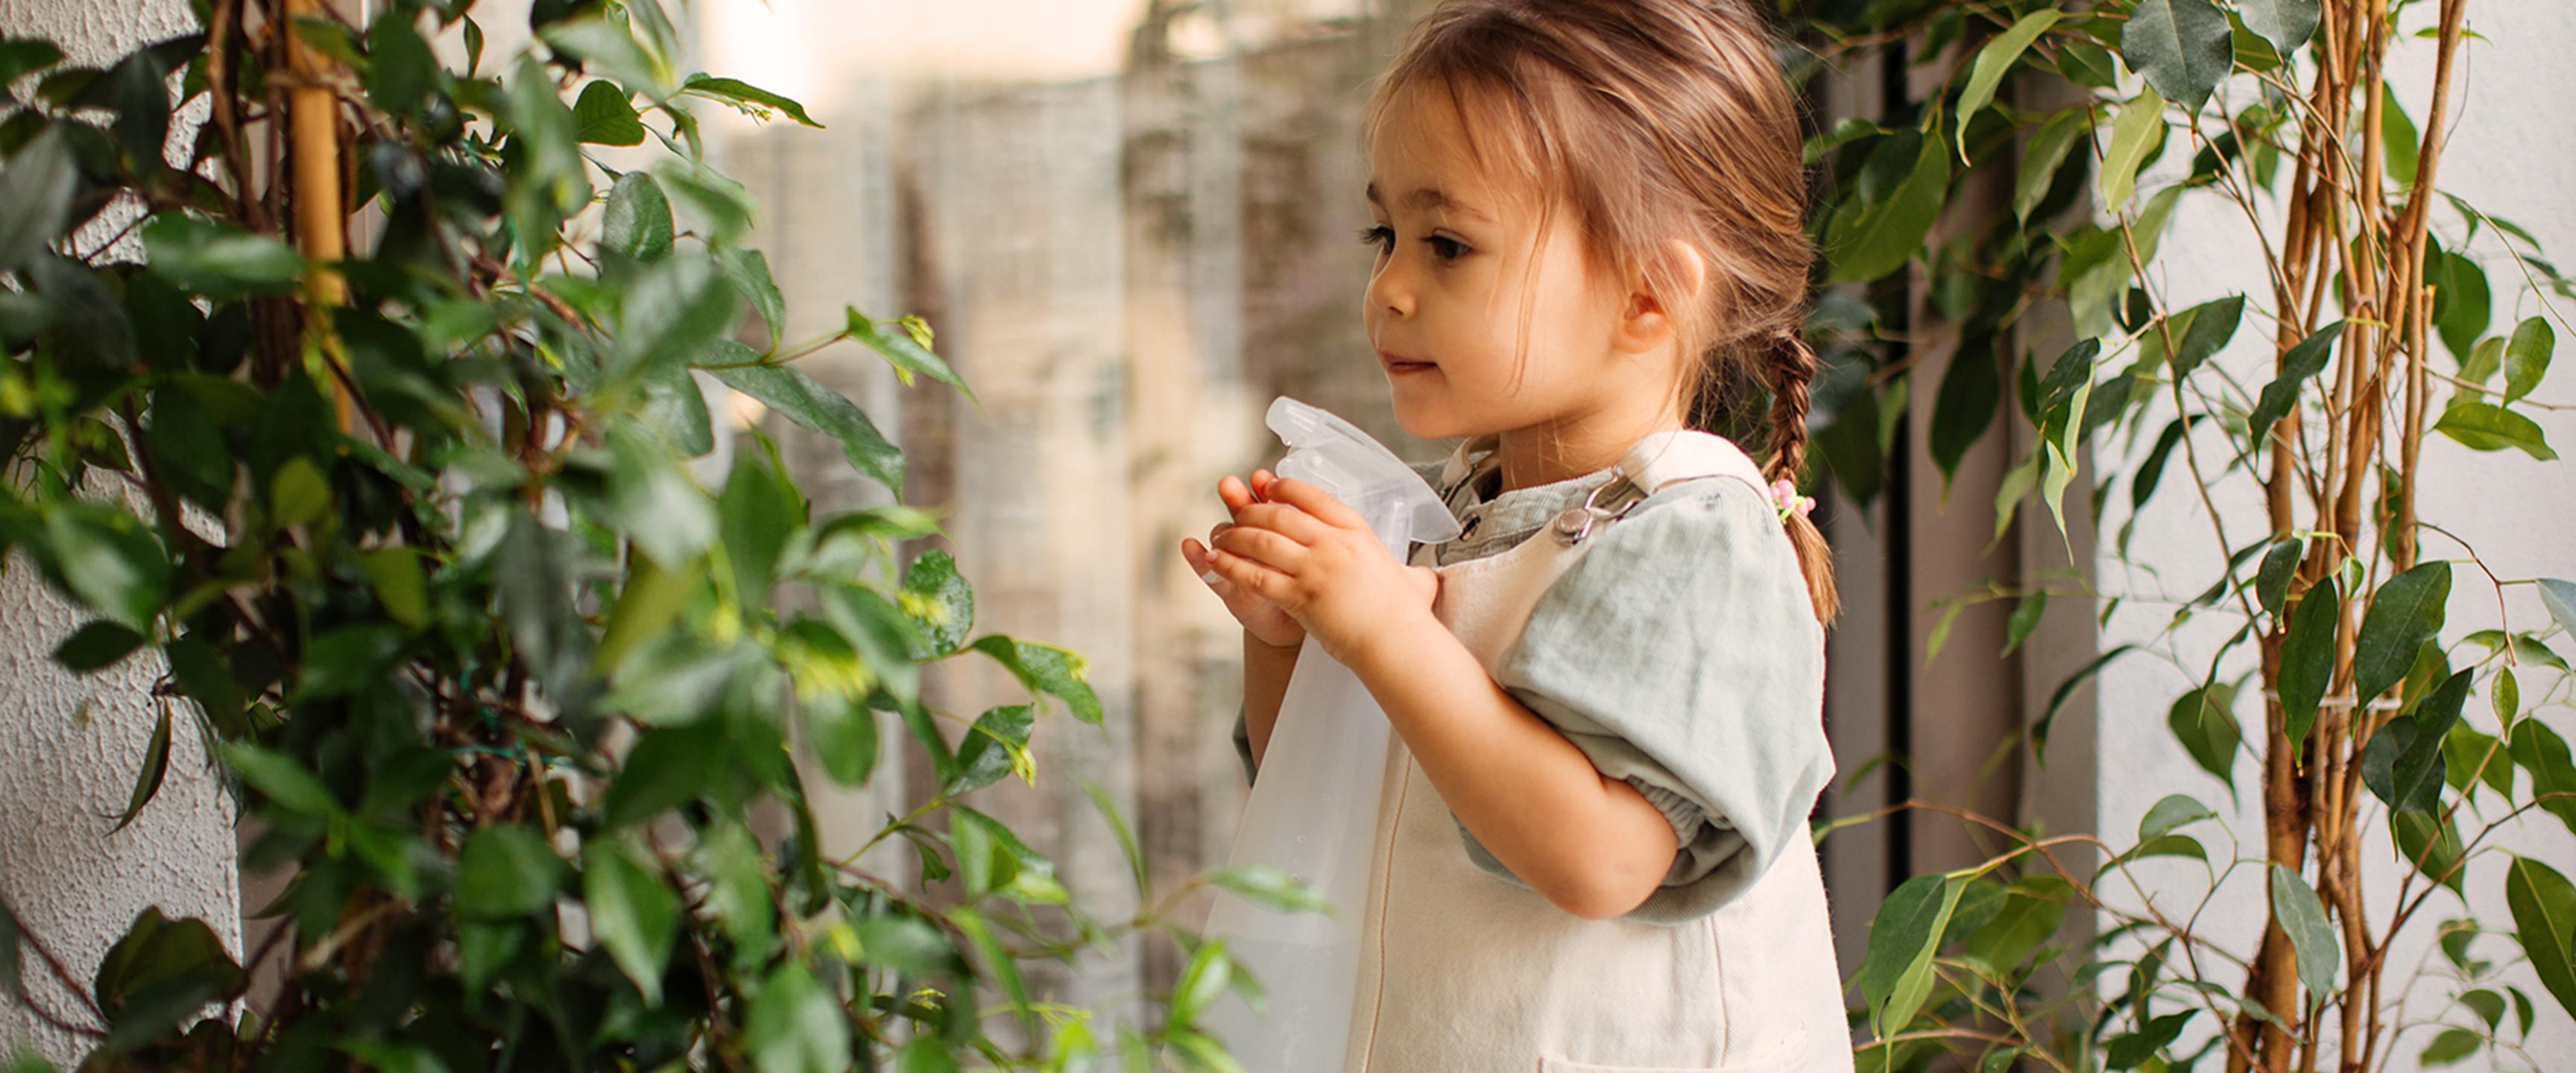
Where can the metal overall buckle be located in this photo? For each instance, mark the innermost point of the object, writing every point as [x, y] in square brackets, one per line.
[1574, 523]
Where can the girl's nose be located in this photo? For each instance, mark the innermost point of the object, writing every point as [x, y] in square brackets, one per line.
[1388, 292]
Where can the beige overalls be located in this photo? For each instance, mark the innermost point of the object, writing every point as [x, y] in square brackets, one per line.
[1463, 972]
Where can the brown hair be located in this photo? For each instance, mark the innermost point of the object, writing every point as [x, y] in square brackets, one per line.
[1655, 121]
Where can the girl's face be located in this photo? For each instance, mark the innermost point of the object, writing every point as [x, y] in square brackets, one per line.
[1460, 258]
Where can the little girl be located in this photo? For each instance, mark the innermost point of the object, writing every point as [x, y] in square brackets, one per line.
[1591, 852]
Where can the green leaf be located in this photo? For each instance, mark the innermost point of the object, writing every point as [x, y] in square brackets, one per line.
[286, 782]
[400, 67]
[1201, 982]
[2462, 303]
[938, 597]
[2065, 691]
[844, 734]
[1271, 887]
[2044, 155]
[507, 870]
[22, 55]
[1046, 669]
[754, 517]
[2544, 922]
[2432, 839]
[1996, 58]
[2281, 396]
[2559, 596]
[604, 115]
[612, 48]
[752, 100]
[997, 745]
[2280, 565]
[158, 957]
[2303, 918]
[347, 660]
[2406, 612]
[2526, 357]
[2025, 618]
[814, 406]
[2204, 329]
[2307, 657]
[910, 947]
[1868, 239]
[35, 196]
[2202, 720]
[218, 260]
[2403, 762]
[654, 501]
[2544, 754]
[2487, 427]
[189, 443]
[2138, 1048]
[902, 351]
[998, 965]
[2137, 132]
[633, 912]
[797, 1025]
[637, 222]
[2031, 911]
[1896, 972]
[669, 765]
[96, 646]
[2287, 24]
[147, 779]
[2173, 811]
[2183, 47]
[106, 559]
[2449, 1047]
[749, 271]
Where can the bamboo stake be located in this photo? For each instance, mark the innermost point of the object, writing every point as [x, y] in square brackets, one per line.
[321, 235]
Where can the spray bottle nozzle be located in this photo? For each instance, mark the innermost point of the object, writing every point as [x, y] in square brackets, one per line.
[1335, 455]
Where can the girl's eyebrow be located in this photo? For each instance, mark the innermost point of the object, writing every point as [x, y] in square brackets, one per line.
[1428, 198]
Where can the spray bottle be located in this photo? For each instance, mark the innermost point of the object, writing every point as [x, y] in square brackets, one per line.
[1313, 810]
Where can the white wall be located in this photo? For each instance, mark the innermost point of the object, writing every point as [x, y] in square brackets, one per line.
[2514, 143]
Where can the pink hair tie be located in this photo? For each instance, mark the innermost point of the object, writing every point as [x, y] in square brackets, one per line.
[1785, 498]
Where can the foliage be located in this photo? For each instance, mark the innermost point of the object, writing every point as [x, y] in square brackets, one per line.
[2058, 142]
[425, 535]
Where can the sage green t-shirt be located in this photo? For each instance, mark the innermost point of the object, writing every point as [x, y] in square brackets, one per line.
[1682, 655]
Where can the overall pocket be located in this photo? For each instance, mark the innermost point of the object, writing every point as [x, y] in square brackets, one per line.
[1788, 1056]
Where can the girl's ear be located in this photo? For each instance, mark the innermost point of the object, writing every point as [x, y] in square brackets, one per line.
[1646, 319]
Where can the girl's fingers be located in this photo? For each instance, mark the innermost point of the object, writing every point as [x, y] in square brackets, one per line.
[1315, 501]
[1268, 547]
[1196, 554]
[1285, 520]
[1247, 574]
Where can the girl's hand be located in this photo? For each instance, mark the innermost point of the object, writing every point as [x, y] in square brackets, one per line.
[1315, 558]
[1264, 620]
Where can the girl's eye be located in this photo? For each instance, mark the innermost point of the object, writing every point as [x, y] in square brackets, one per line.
[1446, 248]
[1380, 236]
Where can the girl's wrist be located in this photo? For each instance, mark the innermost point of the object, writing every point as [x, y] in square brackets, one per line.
[1254, 640]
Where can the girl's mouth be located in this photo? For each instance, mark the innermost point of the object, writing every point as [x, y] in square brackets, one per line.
[1395, 365]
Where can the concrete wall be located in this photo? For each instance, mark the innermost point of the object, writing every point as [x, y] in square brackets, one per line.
[2509, 157]
[70, 745]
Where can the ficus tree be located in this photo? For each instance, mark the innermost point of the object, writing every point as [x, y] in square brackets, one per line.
[2057, 141]
[413, 527]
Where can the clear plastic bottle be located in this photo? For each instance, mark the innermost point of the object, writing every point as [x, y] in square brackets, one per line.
[1313, 810]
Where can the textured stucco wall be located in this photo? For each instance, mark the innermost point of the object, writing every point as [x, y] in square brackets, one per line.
[70, 746]
[2510, 155]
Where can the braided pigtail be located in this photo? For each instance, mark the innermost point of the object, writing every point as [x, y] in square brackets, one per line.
[1787, 367]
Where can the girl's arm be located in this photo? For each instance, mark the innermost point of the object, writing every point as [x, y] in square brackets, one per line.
[1592, 845]
[1265, 683]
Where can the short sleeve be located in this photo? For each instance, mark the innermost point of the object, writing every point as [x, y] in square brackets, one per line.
[1682, 655]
